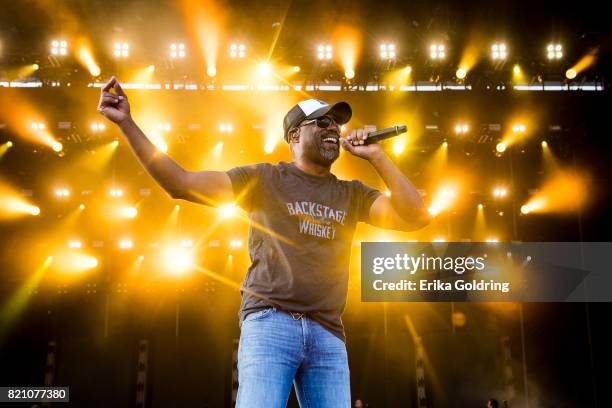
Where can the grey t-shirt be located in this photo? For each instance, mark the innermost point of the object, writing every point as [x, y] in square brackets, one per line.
[300, 239]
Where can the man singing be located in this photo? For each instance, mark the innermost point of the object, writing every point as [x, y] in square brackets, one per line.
[303, 221]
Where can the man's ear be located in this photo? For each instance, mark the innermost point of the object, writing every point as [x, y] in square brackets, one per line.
[294, 135]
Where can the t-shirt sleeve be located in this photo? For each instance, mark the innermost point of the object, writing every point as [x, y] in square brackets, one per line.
[245, 184]
[363, 198]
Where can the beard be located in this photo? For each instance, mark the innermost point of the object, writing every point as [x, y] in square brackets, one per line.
[322, 154]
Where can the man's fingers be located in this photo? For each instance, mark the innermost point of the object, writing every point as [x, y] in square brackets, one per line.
[118, 89]
[109, 84]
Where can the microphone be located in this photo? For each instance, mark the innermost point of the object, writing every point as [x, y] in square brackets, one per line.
[383, 134]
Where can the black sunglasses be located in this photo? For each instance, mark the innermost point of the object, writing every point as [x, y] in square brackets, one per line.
[323, 122]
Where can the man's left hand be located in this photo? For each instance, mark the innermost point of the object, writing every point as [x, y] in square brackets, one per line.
[354, 143]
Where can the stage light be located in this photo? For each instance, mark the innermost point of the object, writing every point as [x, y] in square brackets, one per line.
[437, 51]
[324, 52]
[126, 244]
[86, 57]
[82, 207]
[461, 128]
[439, 239]
[387, 193]
[519, 128]
[500, 192]
[264, 69]
[227, 210]
[554, 51]
[516, 70]
[128, 212]
[35, 67]
[501, 147]
[480, 206]
[499, 51]
[121, 50]
[34, 210]
[62, 192]
[407, 70]
[570, 73]
[151, 68]
[177, 50]
[445, 145]
[177, 260]
[544, 144]
[186, 243]
[387, 51]
[236, 243]
[9, 144]
[37, 125]
[115, 192]
[226, 128]
[211, 71]
[492, 240]
[74, 244]
[57, 146]
[59, 47]
[461, 73]
[237, 51]
[296, 69]
[268, 148]
[349, 73]
[398, 147]
[164, 127]
[98, 127]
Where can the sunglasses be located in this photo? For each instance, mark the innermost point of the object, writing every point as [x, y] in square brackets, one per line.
[323, 122]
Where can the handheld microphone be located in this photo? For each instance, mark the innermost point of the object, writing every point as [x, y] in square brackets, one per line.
[383, 134]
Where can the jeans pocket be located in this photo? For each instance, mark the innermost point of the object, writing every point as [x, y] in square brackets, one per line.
[258, 315]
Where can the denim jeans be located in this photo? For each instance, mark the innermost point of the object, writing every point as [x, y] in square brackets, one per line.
[277, 350]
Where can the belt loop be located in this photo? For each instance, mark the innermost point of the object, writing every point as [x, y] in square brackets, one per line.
[294, 314]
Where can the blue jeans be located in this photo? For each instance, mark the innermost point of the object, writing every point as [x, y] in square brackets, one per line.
[276, 350]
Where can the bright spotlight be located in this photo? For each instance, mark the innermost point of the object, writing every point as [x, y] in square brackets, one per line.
[81, 207]
[264, 69]
[518, 128]
[98, 127]
[226, 128]
[480, 206]
[62, 192]
[211, 71]
[115, 192]
[296, 69]
[554, 51]
[177, 260]
[544, 143]
[59, 47]
[501, 147]
[74, 244]
[387, 51]
[121, 50]
[516, 70]
[499, 51]
[186, 243]
[151, 68]
[461, 128]
[237, 51]
[34, 210]
[235, 243]
[37, 126]
[500, 192]
[437, 51]
[438, 239]
[324, 52]
[398, 147]
[227, 211]
[9, 144]
[164, 127]
[445, 145]
[126, 244]
[57, 146]
[128, 212]
[570, 73]
[268, 148]
[177, 50]
[492, 240]
[461, 73]
[349, 73]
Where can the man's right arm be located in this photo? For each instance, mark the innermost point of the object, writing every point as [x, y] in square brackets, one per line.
[207, 187]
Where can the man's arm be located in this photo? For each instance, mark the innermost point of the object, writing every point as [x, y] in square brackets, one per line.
[207, 187]
[404, 210]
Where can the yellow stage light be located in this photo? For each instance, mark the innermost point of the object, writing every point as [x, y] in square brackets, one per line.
[227, 210]
[570, 73]
[57, 146]
[268, 148]
[398, 147]
[501, 147]
[82, 207]
[211, 71]
[177, 260]
[62, 192]
[437, 51]
[151, 68]
[126, 244]
[128, 212]
[296, 69]
[85, 56]
[349, 73]
[554, 51]
[461, 73]
[115, 192]
[177, 50]
[74, 244]
[236, 243]
[35, 67]
[544, 143]
[237, 51]
[480, 206]
[445, 145]
[121, 50]
[324, 52]
[387, 51]
[59, 47]
[264, 69]
[461, 128]
[516, 70]
[499, 51]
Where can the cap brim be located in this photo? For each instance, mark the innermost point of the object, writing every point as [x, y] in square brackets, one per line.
[341, 112]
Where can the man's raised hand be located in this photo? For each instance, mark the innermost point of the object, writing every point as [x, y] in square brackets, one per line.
[115, 105]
